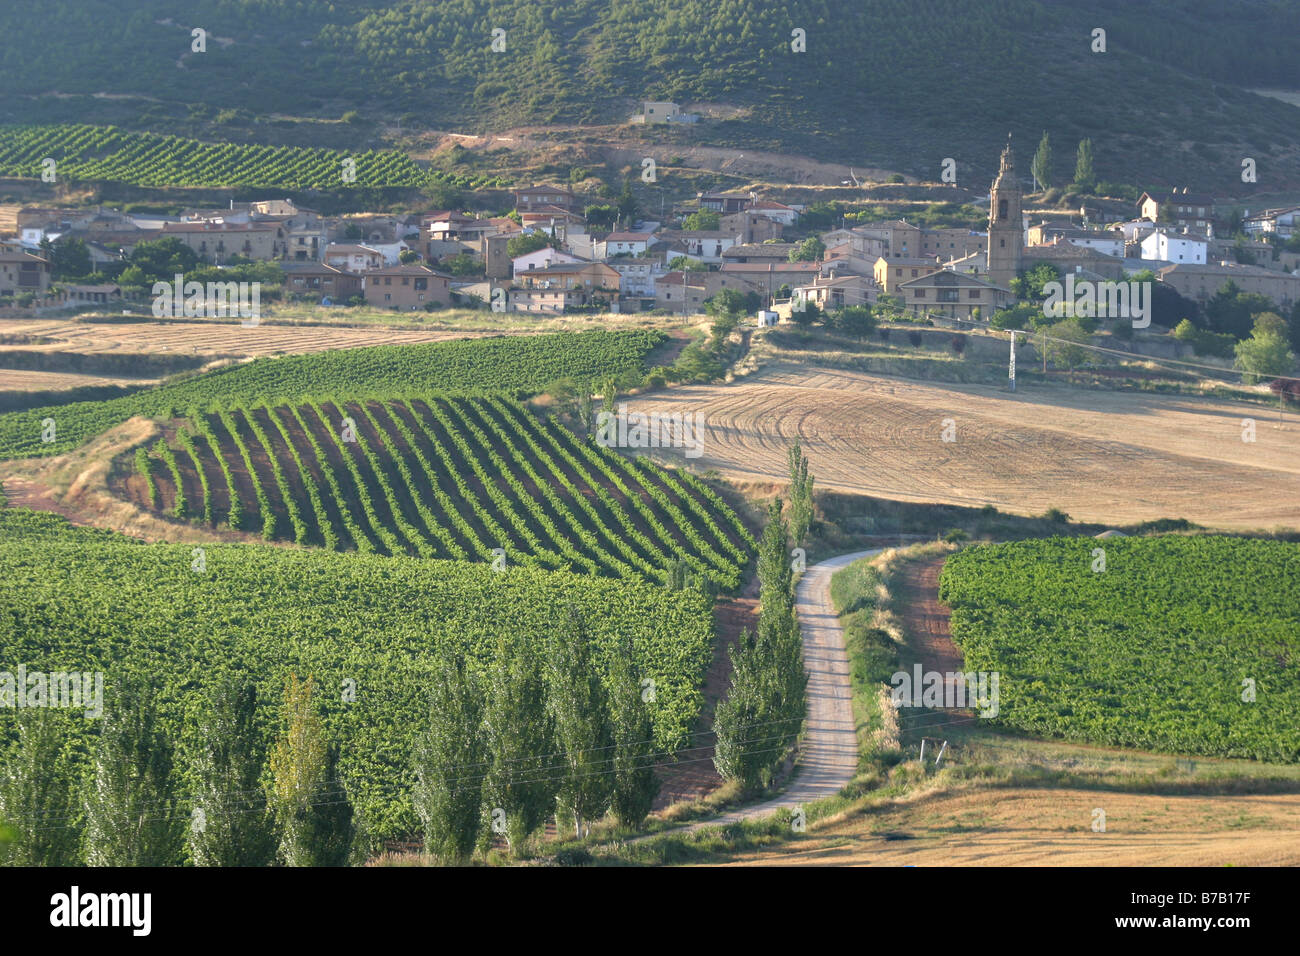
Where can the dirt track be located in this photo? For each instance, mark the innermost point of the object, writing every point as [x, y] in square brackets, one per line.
[1110, 457]
[829, 751]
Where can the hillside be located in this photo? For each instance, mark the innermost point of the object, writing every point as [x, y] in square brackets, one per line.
[884, 83]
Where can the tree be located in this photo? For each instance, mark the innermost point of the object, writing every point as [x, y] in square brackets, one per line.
[521, 245]
[1042, 164]
[634, 784]
[759, 719]
[581, 713]
[1029, 285]
[161, 259]
[36, 794]
[703, 219]
[805, 314]
[462, 264]
[742, 749]
[810, 250]
[686, 264]
[601, 216]
[132, 817]
[1085, 176]
[408, 256]
[69, 257]
[311, 805]
[1231, 311]
[801, 499]
[856, 321]
[1265, 354]
[1063, 342]
[449, 763]
[519, 735]
[231, 825]
[627, 202]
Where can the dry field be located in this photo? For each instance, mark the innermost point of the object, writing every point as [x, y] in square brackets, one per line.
[23, 380]
[1052, 827]
[1108, 457]
[202, 338]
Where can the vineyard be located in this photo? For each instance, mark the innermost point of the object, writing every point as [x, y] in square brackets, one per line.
[91, 601]
[1182, 644]
[106, 153]
[510, 364]
[469, 479]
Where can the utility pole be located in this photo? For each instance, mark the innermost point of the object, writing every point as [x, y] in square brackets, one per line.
[1011, 365]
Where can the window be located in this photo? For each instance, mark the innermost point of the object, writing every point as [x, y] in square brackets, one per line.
[914, 273]
[1002, 209]
[1002, 243]
[949, 295]
[973, 294]
[918, 293]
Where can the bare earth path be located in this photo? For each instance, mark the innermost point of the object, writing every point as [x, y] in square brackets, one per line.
[829, 755]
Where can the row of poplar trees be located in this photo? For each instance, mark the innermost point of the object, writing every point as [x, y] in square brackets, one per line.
[760, 719]
[541, 733]
[222, 801]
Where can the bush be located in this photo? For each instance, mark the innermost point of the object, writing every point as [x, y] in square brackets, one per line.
[958, 344]
[915, 338]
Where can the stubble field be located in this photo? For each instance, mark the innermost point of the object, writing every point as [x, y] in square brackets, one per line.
[1111, 457]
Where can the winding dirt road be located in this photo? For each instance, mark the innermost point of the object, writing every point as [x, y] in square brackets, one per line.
[829, 754]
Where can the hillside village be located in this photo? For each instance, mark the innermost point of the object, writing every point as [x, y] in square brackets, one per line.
[555, 253]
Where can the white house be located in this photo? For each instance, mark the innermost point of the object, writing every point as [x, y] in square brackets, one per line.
[1108, 244]
[1175, 247]
[707, 245]
[625, 244]
[1279, 221]
[637, 276]
[540, 258]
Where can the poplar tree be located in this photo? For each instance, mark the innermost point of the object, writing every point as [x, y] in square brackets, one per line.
[1042, 164]
[37, 797]
[230, 825]
[520, 737]
[635, 786]
[132, 817]
[450, 766]
[310, 803]
[1085, 177]
[581, 711]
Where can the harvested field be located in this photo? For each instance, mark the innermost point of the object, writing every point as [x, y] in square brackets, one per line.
[1111, 457]
[23, 380]
[1053, 827]
[203, 338]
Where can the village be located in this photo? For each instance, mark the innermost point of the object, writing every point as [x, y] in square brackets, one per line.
[546, 258]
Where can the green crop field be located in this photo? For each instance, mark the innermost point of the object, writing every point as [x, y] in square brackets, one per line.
[106, 153]
[451, 478]
[91, 601]
[1156, 651]
[514, 365]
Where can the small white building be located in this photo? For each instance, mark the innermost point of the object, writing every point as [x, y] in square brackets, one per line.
[637, 276]
[1175, 247]
[625, 244]
[541, 258]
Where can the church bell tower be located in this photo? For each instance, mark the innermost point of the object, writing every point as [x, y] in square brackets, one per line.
[1006, 228]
